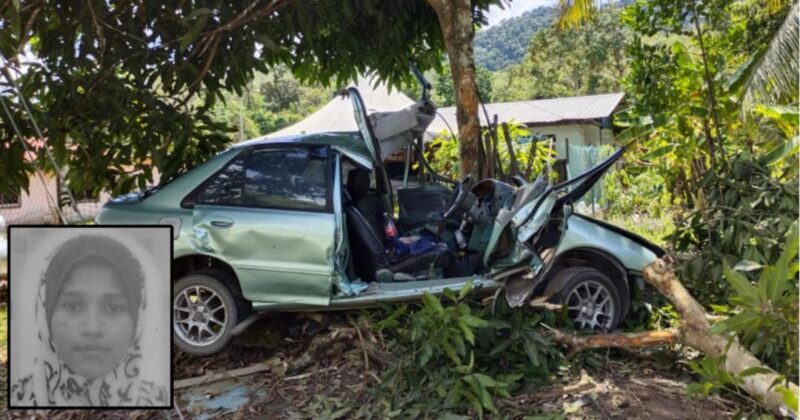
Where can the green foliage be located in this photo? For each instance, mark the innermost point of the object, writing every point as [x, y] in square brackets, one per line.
[443, 155]
[113, 83]
[444, 93]
[579, 61]
[745, 218]
[506, 43]
[269, 103]
[713, 376]
[764, 315]
[453, 356]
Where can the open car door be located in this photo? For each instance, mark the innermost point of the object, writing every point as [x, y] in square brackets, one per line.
[540, 224]
[382, 183]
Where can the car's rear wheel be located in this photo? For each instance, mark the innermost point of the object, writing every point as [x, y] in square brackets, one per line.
[204, 312]
[592, 299]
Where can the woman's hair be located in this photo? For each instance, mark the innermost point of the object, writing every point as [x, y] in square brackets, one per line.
[94, 251]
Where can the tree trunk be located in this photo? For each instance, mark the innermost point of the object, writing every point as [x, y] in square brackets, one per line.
[455, 18]
[694, 332]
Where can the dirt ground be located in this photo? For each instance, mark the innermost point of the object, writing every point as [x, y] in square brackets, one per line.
[337, 384]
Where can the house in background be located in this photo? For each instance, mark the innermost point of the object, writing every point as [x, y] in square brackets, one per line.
[573, 121]
[38, 204]
[580, 120]
[36, 207]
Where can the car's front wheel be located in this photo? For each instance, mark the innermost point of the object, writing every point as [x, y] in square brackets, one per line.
[592, 299]
[204, 313]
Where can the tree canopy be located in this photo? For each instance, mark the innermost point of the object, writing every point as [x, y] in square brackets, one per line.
[117, 83]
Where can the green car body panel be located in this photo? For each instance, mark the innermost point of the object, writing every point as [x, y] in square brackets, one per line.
[282, 258]
[293, 260]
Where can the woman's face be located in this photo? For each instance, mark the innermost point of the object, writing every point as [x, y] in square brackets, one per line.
[91, 323]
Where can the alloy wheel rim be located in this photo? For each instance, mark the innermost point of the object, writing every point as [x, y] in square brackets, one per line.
[590, 305]
[200, 315]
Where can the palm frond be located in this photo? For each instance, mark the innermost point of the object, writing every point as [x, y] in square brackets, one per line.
[574, 13]
[775, 77]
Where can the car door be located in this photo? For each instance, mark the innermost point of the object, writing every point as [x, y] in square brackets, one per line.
[382, 183]
[269, 213]
[539, 225]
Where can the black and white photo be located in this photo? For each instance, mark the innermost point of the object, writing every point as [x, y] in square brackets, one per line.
[89, 316]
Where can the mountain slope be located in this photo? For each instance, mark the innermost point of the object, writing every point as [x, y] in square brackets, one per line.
[507, 42]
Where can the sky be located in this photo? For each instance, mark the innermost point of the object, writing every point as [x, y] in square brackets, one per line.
[516, 8]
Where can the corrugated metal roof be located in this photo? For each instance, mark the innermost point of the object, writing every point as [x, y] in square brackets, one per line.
[540, 111]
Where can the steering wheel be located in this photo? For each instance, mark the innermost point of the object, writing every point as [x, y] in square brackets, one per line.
[460, 193]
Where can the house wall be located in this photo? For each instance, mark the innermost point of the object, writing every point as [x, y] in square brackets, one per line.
[583, 134]
[33, 206]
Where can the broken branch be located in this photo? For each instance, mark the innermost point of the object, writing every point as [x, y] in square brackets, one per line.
[694, 332]
[235, 373]
[578, 343]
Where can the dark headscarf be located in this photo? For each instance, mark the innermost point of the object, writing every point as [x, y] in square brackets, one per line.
[96, 251]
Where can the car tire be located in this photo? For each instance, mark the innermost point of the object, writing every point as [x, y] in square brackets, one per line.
[593, 301]
[205, 310]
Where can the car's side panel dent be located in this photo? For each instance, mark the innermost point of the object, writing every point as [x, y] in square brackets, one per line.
[278, 256]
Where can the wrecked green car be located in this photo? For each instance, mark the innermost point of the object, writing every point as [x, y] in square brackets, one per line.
[308, 223]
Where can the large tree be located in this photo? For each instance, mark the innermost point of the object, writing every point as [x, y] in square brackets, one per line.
[128, 86]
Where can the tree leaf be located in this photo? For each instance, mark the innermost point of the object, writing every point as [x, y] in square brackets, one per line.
[474, 321]
[465, 290]
[193, 33]
[744, 289]
[432, 302]
[735, 323]
[755, 370]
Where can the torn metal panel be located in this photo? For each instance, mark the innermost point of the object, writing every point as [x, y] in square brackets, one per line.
[519, 287]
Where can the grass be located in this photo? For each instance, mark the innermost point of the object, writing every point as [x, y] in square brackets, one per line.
[656, 230]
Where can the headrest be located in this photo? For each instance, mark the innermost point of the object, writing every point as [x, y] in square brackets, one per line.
[357, 183]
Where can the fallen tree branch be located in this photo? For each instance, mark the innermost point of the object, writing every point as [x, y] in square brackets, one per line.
[235, 373]
[694, 332]
[578, 343]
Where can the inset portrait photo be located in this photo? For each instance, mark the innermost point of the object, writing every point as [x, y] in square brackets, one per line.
[89, 316]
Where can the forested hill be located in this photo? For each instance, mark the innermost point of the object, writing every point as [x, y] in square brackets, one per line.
[507, 42]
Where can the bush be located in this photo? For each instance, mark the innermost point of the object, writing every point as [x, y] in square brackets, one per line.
[456, 356]
[443, 156]
[741, 213]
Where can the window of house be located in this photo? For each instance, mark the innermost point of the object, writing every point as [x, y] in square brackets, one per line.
[10, 198]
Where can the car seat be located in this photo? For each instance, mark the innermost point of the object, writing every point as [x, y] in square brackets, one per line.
[367, 244]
